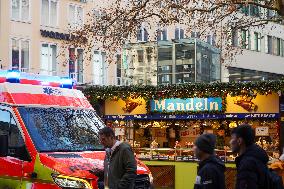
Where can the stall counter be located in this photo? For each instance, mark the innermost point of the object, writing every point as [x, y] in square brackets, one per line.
[185, 172]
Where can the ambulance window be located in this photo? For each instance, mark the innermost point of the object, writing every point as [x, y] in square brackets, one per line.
[15, 138]
[9, 127]
[4, 122]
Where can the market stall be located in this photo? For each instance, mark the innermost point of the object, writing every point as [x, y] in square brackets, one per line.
[162, 123]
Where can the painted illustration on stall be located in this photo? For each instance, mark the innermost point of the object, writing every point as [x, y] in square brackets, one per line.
[131, 104]
[246, 103]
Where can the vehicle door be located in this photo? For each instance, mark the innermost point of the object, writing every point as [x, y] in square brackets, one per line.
[13, 153]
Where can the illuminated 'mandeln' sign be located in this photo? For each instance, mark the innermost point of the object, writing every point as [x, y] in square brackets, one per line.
[189, 104]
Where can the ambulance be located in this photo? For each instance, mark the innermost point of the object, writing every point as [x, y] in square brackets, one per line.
[49, 136]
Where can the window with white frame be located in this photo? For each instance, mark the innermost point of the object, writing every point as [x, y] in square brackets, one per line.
[76, 64]
[99, 68]
[235, 37]
[49, 13]
[269, 44]
[256, 41]
[20, 10]
[162, 35]
[245, 42]
[278, 47]
[179, 33]
[211, 39]
[48, 59]
[142, 34]
[273, 45]
[75, 17]
[20, 54]
[99, 14]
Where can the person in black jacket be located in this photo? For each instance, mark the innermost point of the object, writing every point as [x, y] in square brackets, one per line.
[251, 161]
[120, 164]
[210, 173]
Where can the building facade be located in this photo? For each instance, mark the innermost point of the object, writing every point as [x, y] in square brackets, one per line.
[259, 51]
[262, 56]
[32, 36]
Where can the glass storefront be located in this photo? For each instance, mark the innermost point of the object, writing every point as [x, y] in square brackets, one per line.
[170, 62]
[241, 75]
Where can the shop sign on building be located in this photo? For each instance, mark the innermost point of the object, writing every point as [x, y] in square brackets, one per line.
[189, 104]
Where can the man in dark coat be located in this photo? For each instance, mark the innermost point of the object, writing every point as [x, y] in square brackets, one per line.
[210, 173]
[252, 160]
[120, 164]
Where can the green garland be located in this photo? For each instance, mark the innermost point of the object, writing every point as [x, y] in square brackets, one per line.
[200, 90]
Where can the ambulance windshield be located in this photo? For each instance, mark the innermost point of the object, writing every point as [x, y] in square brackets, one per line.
[57, 129]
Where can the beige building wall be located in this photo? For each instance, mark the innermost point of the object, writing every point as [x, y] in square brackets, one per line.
[30, 30]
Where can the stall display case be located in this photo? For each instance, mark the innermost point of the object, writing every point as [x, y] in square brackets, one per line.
[178, 154]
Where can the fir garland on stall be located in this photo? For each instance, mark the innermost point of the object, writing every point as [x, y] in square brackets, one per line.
[199, 90]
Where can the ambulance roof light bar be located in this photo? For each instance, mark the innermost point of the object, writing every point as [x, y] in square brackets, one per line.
[15, 76]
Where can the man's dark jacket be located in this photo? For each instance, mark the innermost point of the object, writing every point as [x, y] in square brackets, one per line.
[120, 168]
[210, 174]
[252, 169]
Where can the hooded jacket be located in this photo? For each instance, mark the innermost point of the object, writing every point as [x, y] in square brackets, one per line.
[252, 168]
[120, 168]
[210, 174]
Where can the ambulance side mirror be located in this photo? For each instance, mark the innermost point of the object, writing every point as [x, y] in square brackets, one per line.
[4, 145]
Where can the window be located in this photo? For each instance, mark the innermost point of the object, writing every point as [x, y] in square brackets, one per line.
[211, 39]
[140, 55]
[179, 33]
[49, 13]
[282, 47]
[278, 46]
[250, 10]
[75, 16]
[21, 10]
[166, 78]
[48, 59]
[256, 41]
[142, 35]
[273, 46]
[235, 38]
[76, 64]
[20, 54]
[245, 39]
[270, 14]
[245, 9]
[195, 34]
[254, 10]
[165, 69]
[99, 68]
[118, 69]
[269, 44]
[9, 127]
[162, 35]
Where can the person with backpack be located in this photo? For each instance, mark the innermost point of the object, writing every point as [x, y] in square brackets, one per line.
[210, 173]
[252, 170]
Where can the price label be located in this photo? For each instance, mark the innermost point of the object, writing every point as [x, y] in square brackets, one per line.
[163, 157]
[184, 158]
[155, 157]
